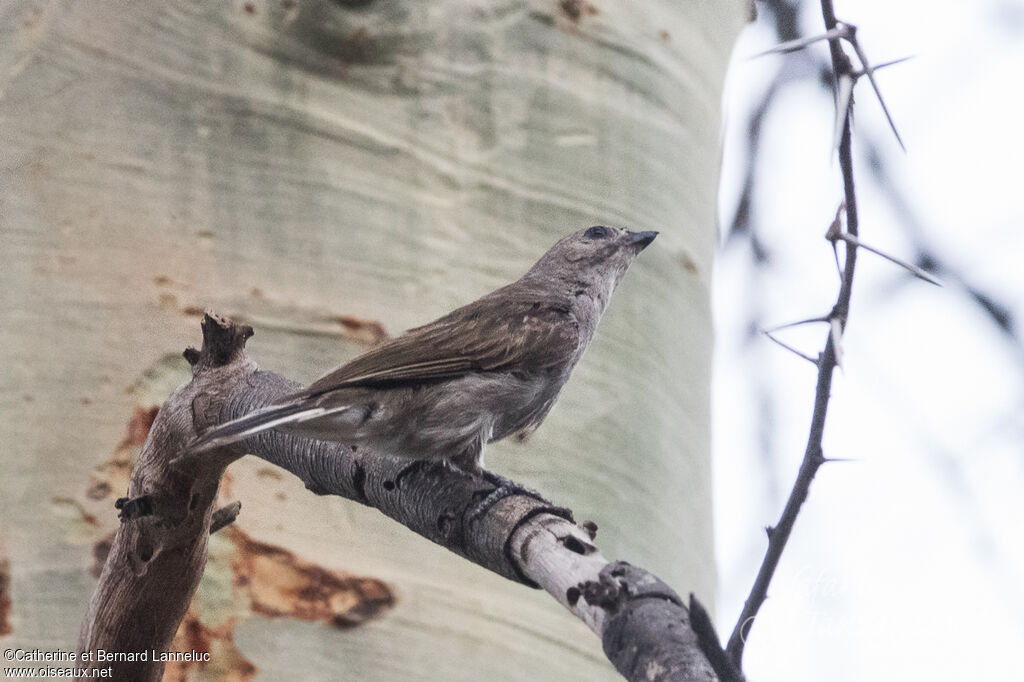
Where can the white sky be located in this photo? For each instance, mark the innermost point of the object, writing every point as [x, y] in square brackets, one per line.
[907, 564]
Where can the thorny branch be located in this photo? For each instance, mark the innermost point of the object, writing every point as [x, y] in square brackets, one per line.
[844, 76]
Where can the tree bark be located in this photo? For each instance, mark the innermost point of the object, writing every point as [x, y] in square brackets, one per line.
[324, 171]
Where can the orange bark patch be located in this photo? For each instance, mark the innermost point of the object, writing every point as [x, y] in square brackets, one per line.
[167, 300]
[688, 263]
[272, 582]
[113, 474]
[71, 502]
[138, 427]
[358, 329]
[97, 489]
[226, 661]
[574, 9]
[280, 584]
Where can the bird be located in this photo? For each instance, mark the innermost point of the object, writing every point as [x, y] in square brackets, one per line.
[487, 370]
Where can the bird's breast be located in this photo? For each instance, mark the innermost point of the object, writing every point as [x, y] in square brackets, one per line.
[525, 399]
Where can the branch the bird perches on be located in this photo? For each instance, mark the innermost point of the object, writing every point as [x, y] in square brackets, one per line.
[159, 551]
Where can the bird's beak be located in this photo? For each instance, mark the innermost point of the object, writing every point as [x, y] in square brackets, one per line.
[640, 240]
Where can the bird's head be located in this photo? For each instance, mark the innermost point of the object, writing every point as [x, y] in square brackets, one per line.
[593, 260]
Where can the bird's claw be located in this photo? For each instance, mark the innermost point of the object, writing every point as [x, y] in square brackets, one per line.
[504, 487]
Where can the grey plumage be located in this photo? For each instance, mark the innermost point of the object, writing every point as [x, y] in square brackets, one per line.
[482, 372]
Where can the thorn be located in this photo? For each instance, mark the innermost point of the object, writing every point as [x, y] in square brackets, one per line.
[912, 269]
[769, 531]
[870, 73]
[883, 65]
[835, 255]
[806, 357]
[844, 96]
[835, 229]
[809, 320]
[841, 459]
[837, 340]
[840, 31]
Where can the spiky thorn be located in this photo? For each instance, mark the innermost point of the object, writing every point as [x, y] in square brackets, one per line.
[844, 96]
[909, 267]
[884, 65]
[808, 358]
[837, 227]
[798, 323]
[835, 233]
[868, 71]
[847, 32]
[840, 31]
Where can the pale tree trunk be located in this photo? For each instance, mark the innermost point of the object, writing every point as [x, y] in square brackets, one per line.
[314, 168]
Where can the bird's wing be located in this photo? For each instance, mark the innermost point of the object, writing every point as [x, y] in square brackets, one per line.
[489, 334]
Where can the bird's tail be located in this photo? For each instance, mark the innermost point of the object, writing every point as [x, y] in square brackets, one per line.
[250, 424]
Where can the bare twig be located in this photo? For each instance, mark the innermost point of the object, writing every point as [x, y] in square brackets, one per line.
[778, 535]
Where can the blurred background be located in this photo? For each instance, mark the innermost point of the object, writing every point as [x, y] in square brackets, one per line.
[905, 564]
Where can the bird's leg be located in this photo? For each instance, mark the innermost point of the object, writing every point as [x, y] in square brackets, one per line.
[471, 461]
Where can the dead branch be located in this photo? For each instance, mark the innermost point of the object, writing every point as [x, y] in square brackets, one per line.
[159, 551]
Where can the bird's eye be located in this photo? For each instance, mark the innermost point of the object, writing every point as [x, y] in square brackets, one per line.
[598, 232]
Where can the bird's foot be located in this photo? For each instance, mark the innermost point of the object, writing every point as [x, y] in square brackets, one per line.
[504, 487]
